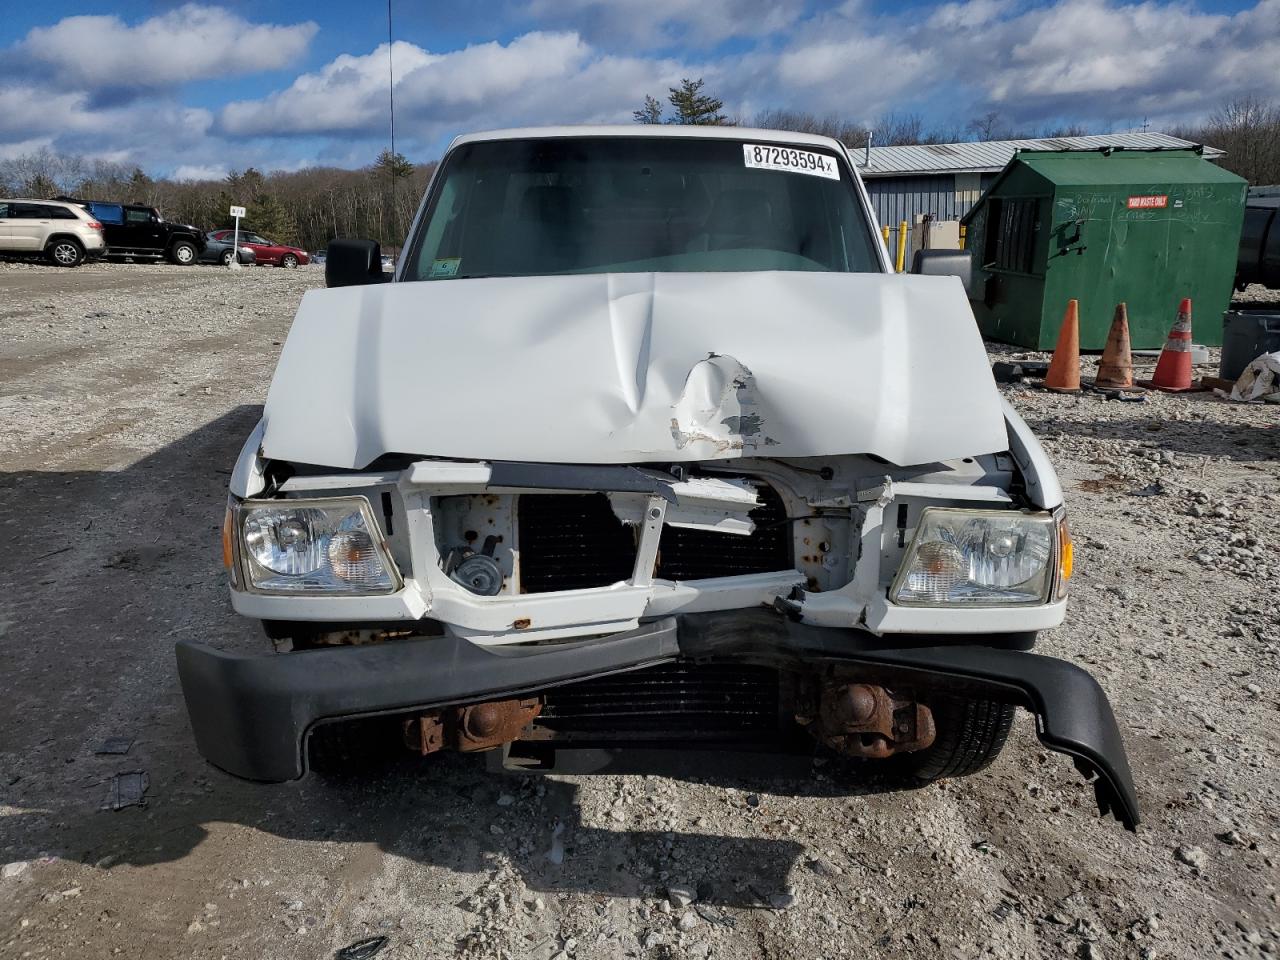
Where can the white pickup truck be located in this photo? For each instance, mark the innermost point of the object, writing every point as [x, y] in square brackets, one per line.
[645, 445]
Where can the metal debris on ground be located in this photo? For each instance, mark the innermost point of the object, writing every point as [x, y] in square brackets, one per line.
[1155, 489]
[114, 746]
[714, 916]
[1125, 396]
[362, 949]
[127, 790]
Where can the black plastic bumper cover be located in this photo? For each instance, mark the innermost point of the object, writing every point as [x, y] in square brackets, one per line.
[251, 714]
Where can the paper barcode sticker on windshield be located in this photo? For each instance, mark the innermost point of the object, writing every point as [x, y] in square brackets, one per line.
[766, 156]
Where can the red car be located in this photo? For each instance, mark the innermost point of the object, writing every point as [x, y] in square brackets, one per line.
[276, 254]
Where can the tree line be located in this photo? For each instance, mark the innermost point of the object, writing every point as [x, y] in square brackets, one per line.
[309, 207]
[306, 207]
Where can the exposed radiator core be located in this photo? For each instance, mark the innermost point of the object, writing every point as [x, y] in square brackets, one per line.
[574, 541]
[715, 701]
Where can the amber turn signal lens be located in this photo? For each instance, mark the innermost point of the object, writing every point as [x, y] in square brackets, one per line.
[1066, 556]
[227, 556]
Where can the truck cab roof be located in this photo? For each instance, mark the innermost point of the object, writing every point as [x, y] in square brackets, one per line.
[651, 130]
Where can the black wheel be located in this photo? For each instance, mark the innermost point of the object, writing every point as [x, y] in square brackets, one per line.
[66, 253]
[183, 253]
[227, 256]
[971, 734]
[289, 260]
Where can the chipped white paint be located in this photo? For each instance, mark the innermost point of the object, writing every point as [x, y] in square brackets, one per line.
[702, 503]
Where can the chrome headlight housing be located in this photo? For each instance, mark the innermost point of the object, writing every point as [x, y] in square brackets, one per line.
[978, 558]
[330, 546]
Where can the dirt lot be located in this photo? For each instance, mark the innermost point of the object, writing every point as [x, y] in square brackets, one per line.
[125, 392]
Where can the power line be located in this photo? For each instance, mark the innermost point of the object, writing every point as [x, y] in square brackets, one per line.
[391, 93]
[391, 80]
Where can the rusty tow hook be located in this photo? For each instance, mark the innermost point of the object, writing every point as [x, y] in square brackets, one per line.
[864, 720]
[477, 726]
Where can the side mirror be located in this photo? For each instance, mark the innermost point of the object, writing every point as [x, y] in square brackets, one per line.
[945, 263]
[349, 263]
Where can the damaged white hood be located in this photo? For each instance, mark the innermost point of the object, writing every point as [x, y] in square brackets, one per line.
[630, 368]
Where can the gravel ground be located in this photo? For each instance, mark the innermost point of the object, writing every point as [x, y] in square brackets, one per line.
[125, 392]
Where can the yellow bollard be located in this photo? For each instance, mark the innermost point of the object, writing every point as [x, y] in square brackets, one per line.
[963, 233]
[902, 245]
[884, 232]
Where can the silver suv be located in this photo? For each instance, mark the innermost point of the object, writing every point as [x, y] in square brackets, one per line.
[65, 233]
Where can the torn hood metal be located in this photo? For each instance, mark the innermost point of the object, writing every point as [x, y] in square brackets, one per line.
[634, 368]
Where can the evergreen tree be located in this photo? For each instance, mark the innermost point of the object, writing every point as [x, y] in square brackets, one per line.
[396, 166]
[651, 112]
[694, 107]
[271, 218]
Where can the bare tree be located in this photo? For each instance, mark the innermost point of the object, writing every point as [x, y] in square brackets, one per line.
[894, 129]
[846, 131]
[1248, 129]
[989, 126]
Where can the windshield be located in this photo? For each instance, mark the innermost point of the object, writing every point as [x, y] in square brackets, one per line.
[635, 204]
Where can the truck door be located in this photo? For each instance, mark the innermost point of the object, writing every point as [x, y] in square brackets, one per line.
[143, 229]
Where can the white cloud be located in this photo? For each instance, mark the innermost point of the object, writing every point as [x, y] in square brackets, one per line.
[190, 43]
[22, 148]
[199, 171]
[646, 23]
[1097, 61]
[536, 78]
[30, 111]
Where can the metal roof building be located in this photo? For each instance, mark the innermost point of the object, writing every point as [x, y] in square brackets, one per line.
[946, 179]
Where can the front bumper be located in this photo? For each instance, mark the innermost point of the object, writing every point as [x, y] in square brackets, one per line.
[252, 714]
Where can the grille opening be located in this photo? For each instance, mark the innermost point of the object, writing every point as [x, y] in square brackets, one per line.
[574, 542]
[571, 542]
[698, 554]
[681, 701]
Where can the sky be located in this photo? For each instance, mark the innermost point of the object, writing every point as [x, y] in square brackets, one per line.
[197, 90]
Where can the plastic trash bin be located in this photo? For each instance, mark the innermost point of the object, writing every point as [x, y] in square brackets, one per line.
[1246, 335]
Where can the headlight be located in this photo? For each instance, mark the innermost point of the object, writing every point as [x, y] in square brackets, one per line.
[314, 546]
[978, 558]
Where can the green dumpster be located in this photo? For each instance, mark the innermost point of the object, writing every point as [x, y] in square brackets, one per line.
[1147, 227]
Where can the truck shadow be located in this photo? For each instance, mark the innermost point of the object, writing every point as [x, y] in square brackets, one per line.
[106, 569]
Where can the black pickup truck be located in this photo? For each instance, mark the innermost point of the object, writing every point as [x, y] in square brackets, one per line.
[132, 230]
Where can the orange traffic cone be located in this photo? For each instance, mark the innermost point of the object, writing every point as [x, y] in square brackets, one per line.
[1115, 369]
[1064, 368]
[1173, 369]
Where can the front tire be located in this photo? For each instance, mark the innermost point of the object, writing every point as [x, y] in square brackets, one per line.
[227, 256]
[289, 261]
[971, 734]
[183, 253]
[65, 253]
